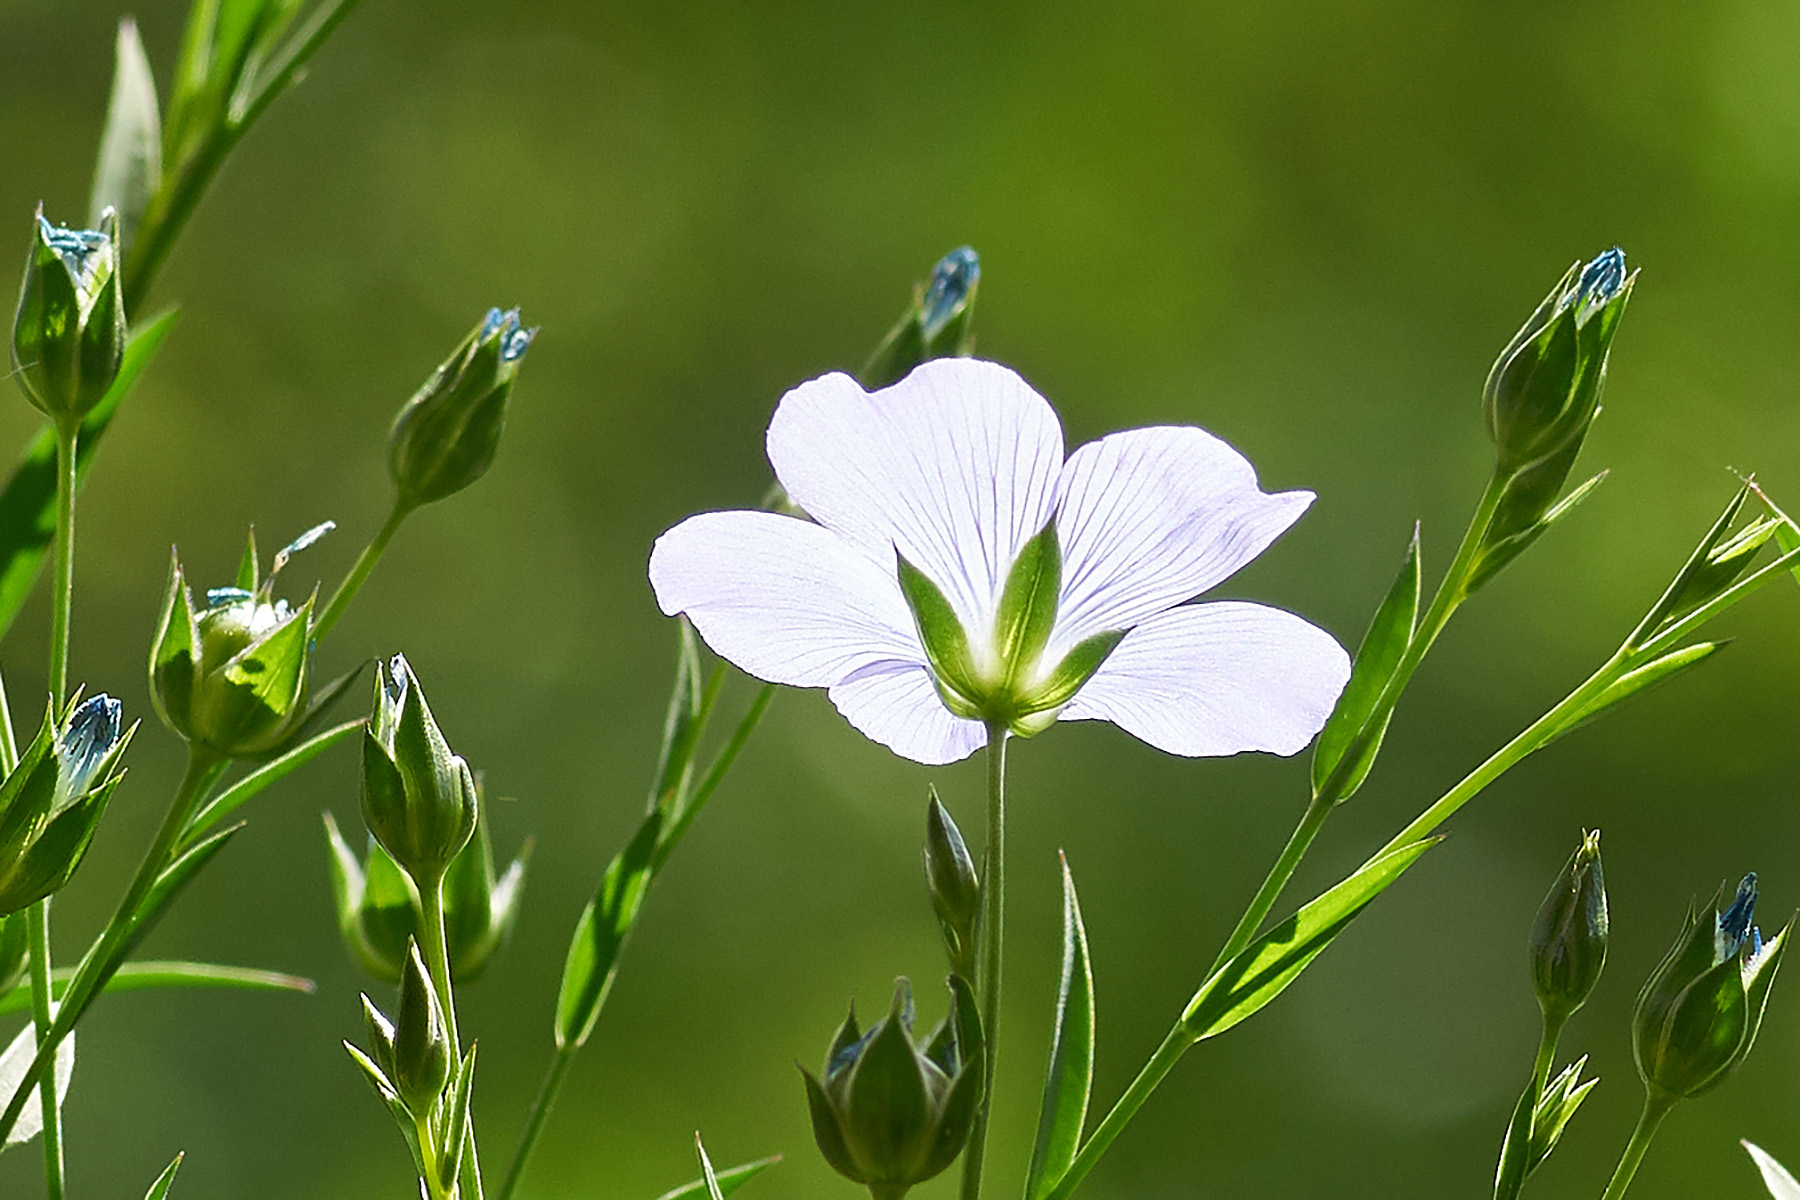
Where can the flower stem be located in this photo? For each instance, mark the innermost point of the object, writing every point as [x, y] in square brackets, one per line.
[540, 1116]
[1302, 838]
[39, 933]
[992, 930]
[437, 961]
[1656, 1107]
[359, 574]
[104, 956]
[1515, 1152]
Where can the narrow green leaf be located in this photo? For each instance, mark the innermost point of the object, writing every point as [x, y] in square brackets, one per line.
[156, 973]
[1269, 964]
[1071, 1074]
[175, 877]
[1354, 726]
[706, 1171]
[455, 1133]
[593, 957]
[28, 502]
[715, 775]
[684, 722]
[1688, 624]
[247, 788]
[128, 169]
[1653, 674]
[728, 1180]
[942, 634]
[1028, 604]
[160, 1189]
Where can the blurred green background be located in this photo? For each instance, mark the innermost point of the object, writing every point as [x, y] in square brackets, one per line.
[1305, 227]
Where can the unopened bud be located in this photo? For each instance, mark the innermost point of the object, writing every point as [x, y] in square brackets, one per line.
[69, 330]
[445, 437]
[1568, 939]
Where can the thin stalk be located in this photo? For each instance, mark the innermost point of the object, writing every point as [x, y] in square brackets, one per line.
[365, 563]
[103, 956]
[1160, 1064]
[1283, 870]
[538, 1118]
[1656, 1107]
[435, 1189]
[437, 961]
[1515, 1151]
[992, 934]
[39, 933]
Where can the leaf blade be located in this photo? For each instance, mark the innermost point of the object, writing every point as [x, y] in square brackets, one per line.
[1349, 732]
[729, 1180]
[1070, 1076]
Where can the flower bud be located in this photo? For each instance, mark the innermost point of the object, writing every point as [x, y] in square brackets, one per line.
[381, 1037]
[377, 911]
[1698, 1016]
[52, 801]
[14, 951]
[419, 799]
[233, 677]
[444, 437]
[888, 1114]
[937, 324]
[1568, 939]
[1545, 387]
[955, 891]
[421, 1038]
[69, 331]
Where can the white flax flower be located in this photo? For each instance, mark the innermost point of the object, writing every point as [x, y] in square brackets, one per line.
[958, 575]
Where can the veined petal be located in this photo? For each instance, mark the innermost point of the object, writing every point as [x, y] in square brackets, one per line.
[897, 704]
[1149, 518]
[1213, 679]
[955, 467]
[784, 599]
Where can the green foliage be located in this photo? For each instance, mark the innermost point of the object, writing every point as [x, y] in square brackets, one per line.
[1071, 1073]
[1347, 746]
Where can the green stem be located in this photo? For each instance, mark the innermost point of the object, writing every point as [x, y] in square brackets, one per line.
[434, 1186]
[992, 936]
[1160, 1064]
[39, 933]
[1279, 875]
[365, 563]
[539, 1117]
[62, 588]
[103, 957]
[1656, 1107]
[437, 961]
[1516, 1150]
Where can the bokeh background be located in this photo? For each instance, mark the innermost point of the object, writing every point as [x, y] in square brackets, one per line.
[1305, 227]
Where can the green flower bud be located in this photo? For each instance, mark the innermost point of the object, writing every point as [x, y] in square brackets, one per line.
[1568, 939]
[888, 1114]
[937, 324]
[1698, 1015]
[234, 676]
[955, 891]
[52, 801]
[419, 799]
[381, 1037]
[377, 911]
[445, 437]
[14, 951]
[1545, 387]
[421, 1038]
[69, 331]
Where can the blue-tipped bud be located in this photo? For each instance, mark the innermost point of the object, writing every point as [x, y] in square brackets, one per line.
[949, 292]
[937, 324]
[1698, 1016]
[52, 801]
[419, 799]
[69, 331]
[446, 436]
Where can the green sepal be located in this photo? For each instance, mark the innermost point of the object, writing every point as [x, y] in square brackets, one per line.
[380, 1032]
[1264, 969]
[1070, 1075]
[593, 958]
[1562, 1096]
[885, 1102]
[256, 782]
[1059, 687]
[268, 682]
[1499, 547]
[729, 1180]
[160, 1189]
[422, 1062]
[828, 1131]
[55, 853]
[945, 640]
[1352, 736]
[249, 573]
[1027, 609]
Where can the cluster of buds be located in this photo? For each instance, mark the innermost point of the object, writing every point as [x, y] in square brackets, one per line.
[69, 331]
[378, 908]
[412, 1064]
[233, 677]
[445, 437]
[888, 1113]
[52, 801]
[419, 800]
[1698, 1016]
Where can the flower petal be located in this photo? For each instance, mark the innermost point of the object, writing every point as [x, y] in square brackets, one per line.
[784, 599]
[1776, 1178]
[955, 467]
[1211, 679]
[1149, 518]
[896, 704]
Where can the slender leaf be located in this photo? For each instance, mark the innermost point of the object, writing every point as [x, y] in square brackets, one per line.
[28, 502]
[685, 722]
[1071, 1074]
[1269, 964]
[593, 957]
[160, 1189]
[140, 976]
[715, 775]
[1652, 674]
[241, 792]
[729, 1180]
[129, 166]
[174, 878]
[1355, 728]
